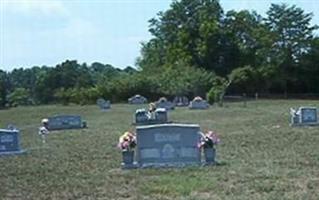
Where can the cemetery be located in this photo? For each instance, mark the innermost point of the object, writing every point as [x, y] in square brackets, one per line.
[159, 100]
[166, 153]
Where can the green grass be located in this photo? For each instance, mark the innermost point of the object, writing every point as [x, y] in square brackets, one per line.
[261, 156]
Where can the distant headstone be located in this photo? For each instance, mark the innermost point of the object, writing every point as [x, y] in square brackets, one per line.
[137, 99]
[198, 103]
[143, 117]
[10, 142]
[164, 103]
[181, 101]
[60, 122]
[104, 105]
[304, 116]
[168, 145]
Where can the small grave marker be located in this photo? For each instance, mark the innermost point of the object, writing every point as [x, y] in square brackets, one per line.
[10, 142]
[164, 103]
[104, 105]
[304, 116]
[137, 99]
[198, 103]
[181, 101]
[60, 122]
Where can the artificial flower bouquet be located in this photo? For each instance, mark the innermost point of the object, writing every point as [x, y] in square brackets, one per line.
[209, 140]
[127, 141]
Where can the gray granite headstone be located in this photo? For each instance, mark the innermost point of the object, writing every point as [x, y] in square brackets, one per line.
[164, 103]
[161, 115]
[168, 145]
[103, 104]
[10, 142]
[137, 99]
[198, 104]
[60, 122]
[181, 101]
[141, 116]
[304, 116]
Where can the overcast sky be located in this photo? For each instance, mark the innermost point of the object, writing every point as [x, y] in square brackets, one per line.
[47, 32]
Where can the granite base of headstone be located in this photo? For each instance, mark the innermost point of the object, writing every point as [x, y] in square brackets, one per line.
[10, 142]
[137, 99]
[304, 116]
[168, 145]
[198, 104]
[61, 122]
[103, 104]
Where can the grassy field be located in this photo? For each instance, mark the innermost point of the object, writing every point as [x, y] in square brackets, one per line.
[260, 156]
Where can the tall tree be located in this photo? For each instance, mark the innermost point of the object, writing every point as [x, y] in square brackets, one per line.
[292, 37]
[188, 32]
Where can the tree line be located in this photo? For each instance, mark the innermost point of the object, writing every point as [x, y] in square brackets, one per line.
[196, 49]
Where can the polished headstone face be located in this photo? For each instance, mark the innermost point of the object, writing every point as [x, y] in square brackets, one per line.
[9, 142]
[65, 122]
[165, 145]
[308, 115]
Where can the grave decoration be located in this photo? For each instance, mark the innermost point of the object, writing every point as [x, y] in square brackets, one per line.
[181, 101]
[208, 143]
[137, 99]
[304, 116]
[103, 104]
[164, 103]
[10, 142]
[127, 143]
[60, 122]
[198, 103]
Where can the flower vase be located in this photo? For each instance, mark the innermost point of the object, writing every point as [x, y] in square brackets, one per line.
[209, 154]
[128, 159]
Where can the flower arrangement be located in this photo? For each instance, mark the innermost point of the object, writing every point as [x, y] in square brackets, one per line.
[198, 98]
[127, 141]
[209, 140]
